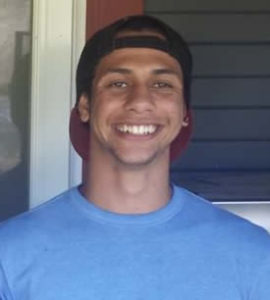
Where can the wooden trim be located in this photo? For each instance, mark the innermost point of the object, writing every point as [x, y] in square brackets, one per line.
[103, 12]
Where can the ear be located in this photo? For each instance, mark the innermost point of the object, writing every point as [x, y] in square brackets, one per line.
[185, 121]
[83, 108]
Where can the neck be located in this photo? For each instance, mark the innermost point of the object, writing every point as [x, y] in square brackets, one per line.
[121, 189]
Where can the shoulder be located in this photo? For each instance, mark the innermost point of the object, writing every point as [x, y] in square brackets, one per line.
[34, 224]
[225, 236]
[29, 238]
[223, 226]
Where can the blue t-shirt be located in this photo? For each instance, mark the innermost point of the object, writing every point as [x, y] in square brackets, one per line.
[69, 249]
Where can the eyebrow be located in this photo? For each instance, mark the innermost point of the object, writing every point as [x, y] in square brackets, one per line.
[119, 70]
[159, 71]
[165, 71]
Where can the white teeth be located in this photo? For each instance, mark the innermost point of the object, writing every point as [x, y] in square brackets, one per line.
[137, 129]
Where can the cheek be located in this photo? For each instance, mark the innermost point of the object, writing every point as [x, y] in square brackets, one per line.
[102, 110]
[98, 104]
[175, 106]
[176, 115]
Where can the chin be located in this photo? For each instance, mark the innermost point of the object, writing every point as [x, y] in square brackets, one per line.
[137, 161]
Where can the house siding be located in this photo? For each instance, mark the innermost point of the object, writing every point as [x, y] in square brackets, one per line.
[230, 43]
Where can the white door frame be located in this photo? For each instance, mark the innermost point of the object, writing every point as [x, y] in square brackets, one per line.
[58, 37]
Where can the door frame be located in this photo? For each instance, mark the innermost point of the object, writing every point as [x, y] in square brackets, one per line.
[56, 46]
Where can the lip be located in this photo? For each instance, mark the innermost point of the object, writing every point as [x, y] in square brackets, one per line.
[137, 122]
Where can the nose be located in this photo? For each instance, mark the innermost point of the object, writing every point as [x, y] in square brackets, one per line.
[140, 99]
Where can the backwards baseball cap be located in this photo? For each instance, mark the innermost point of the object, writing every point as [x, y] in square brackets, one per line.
[117, 36]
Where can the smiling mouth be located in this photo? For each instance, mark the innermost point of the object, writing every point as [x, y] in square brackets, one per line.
[137, 129]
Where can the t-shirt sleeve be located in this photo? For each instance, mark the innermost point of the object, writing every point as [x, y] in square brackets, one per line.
[4, 289]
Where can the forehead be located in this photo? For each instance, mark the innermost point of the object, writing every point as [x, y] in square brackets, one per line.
[142, 32]
[138, 60]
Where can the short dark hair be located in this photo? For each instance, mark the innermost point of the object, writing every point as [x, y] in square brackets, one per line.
[105, 41]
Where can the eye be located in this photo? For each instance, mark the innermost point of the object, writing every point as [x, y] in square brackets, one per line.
[161, 84]
[118, 84]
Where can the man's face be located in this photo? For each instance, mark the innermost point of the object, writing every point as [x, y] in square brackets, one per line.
[137, 105]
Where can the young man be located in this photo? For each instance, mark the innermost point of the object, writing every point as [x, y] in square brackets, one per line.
[126, 232]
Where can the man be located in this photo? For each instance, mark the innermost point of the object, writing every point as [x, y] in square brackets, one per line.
[126, 232]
